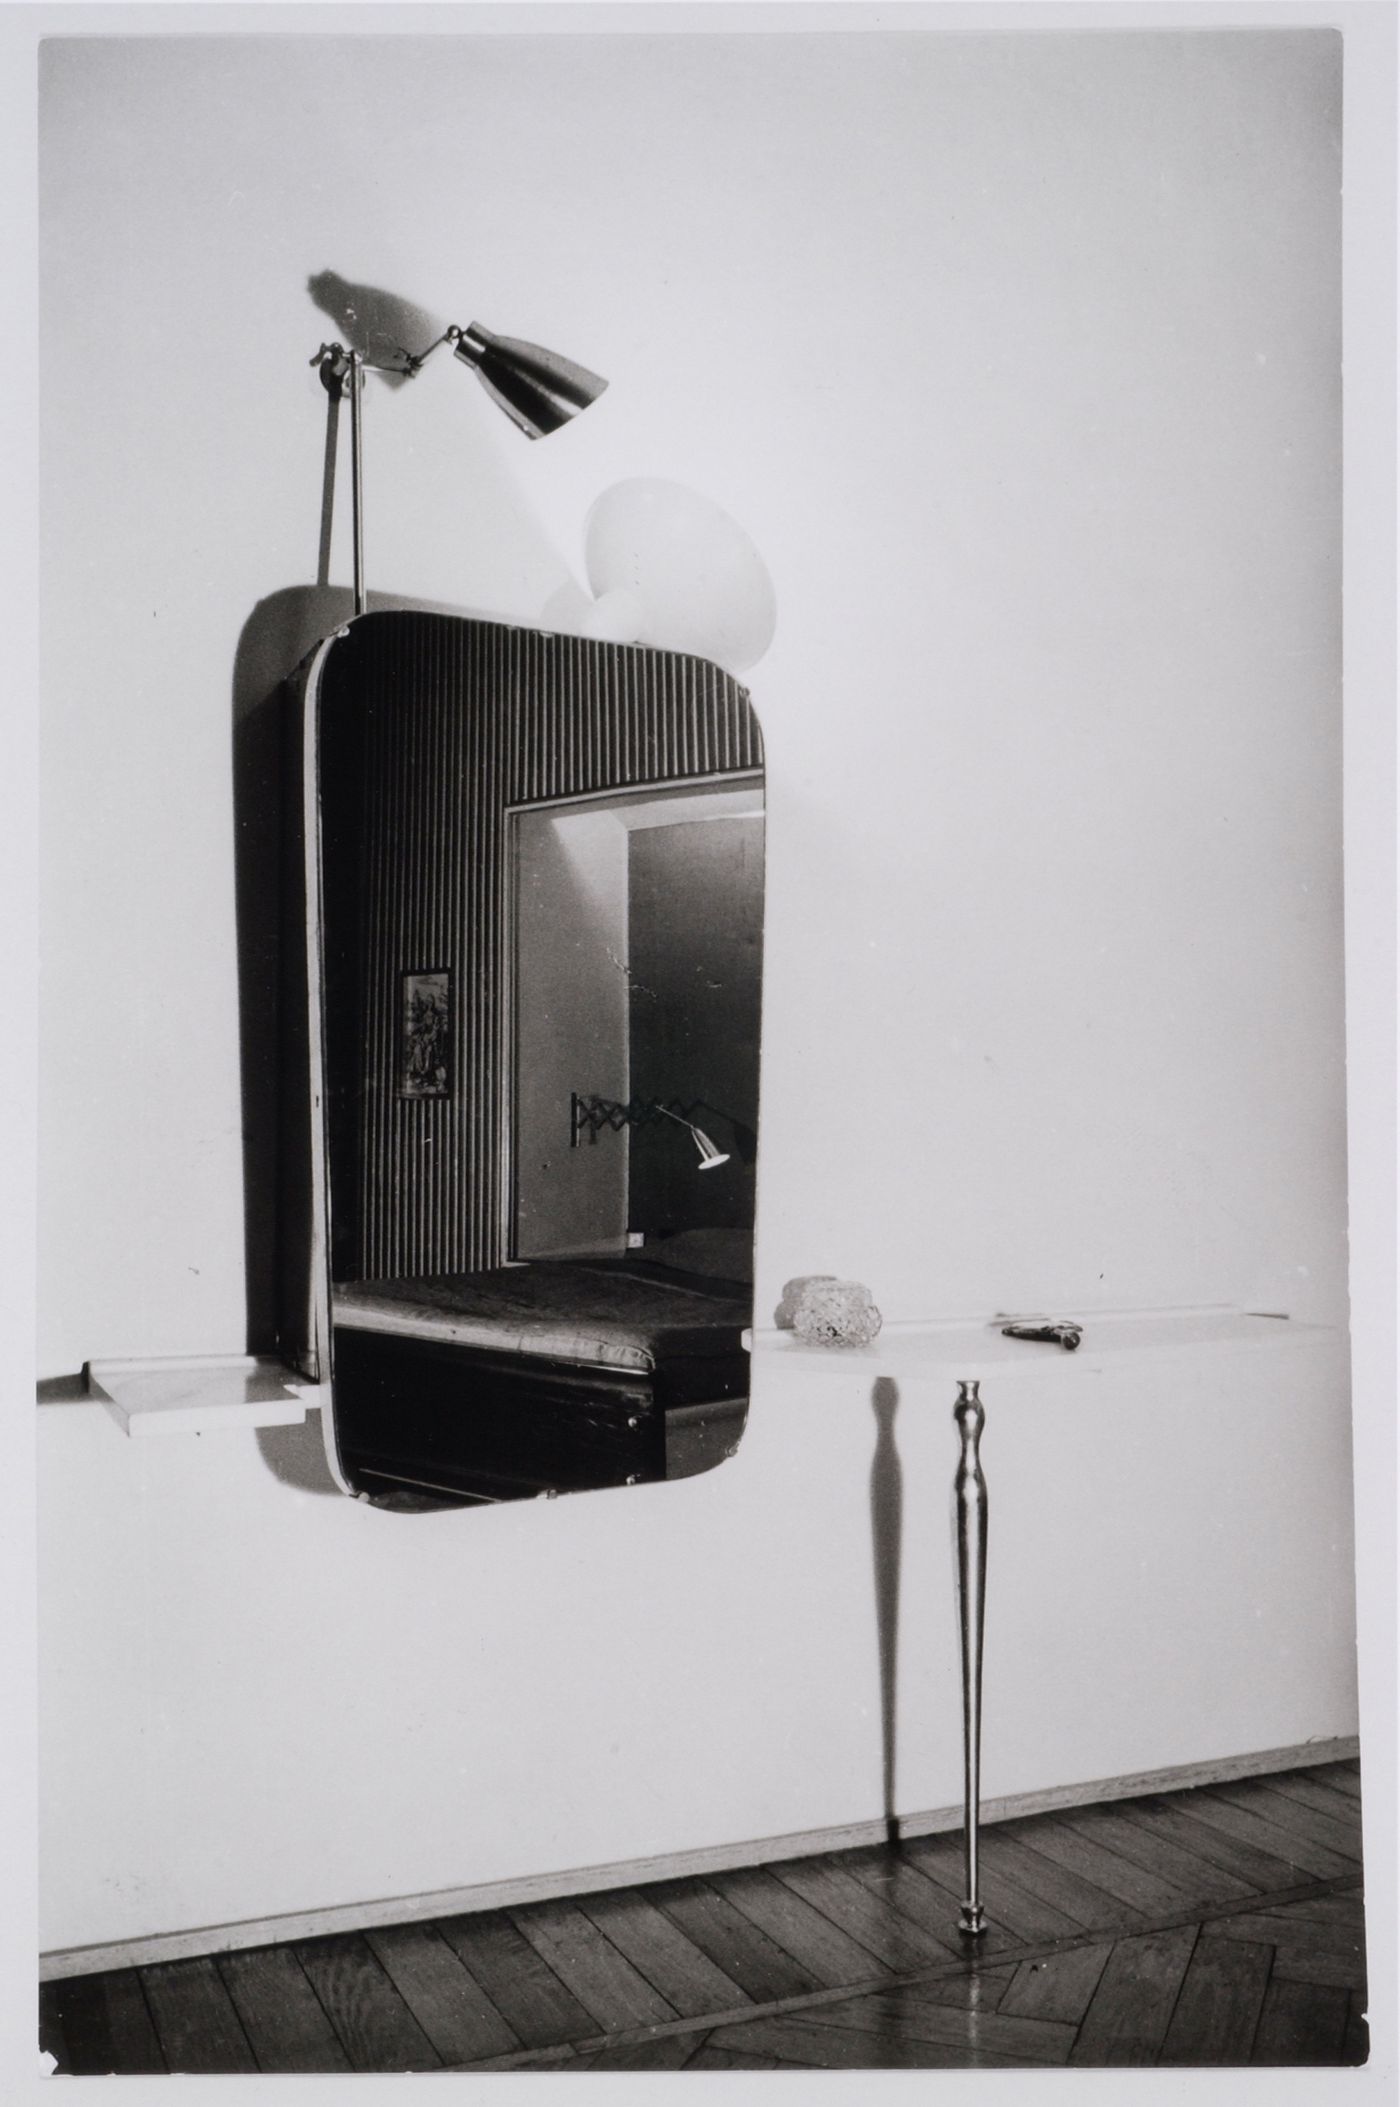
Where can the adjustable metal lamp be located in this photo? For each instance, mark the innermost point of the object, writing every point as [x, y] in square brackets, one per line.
[538, 390]
[587, 1115]
[710, 1156]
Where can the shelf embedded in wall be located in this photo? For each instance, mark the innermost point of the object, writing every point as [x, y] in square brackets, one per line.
[199, 1394]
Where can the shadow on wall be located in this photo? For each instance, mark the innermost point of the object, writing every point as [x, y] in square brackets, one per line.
[279, 634]
[297, 1456]
[886, 1536]
[385, 329]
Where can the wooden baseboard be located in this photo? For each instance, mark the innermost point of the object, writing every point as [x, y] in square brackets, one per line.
[678, 1865]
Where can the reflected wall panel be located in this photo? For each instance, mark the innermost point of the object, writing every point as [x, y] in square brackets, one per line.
[431, 728]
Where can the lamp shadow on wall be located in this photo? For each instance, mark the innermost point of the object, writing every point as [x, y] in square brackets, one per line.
[886, 1537]
[384, 328]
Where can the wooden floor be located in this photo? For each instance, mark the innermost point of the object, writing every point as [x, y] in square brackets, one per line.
[1216, 1926]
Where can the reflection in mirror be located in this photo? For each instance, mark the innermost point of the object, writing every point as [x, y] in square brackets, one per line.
[522, 1038]
[638, 942]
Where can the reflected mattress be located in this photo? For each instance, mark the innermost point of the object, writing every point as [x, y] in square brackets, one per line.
[615, 1313]
[556, 1376]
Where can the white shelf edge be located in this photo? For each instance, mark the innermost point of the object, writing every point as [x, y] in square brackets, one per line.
[977, 1344]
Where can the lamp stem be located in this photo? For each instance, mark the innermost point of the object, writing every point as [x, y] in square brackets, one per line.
[323, 567]
[357, 496]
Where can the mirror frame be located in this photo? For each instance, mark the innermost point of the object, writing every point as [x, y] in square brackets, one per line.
[565, 718]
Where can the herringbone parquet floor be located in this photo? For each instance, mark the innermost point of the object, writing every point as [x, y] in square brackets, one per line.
[1209, 1927]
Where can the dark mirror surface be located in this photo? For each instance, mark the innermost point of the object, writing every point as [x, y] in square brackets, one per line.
[518, 1225]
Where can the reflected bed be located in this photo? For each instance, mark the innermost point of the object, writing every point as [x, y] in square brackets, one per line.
[558, 1376]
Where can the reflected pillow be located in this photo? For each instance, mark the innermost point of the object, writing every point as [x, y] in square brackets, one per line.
[719, 1254]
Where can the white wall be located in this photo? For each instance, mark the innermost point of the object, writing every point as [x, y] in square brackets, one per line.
[1019, 358]
[382, 1706]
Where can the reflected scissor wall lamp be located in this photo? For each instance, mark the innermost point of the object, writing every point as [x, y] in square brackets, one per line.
[537, 389]
[588, 1115]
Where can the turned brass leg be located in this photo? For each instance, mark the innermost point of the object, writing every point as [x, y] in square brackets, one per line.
[970, 1500]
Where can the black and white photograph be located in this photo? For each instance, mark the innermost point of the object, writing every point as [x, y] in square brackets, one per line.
[710, 1279]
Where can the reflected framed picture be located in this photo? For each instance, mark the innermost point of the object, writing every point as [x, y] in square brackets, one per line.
[425, 1034]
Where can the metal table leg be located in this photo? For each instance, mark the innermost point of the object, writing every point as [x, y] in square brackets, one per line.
[970, 1501]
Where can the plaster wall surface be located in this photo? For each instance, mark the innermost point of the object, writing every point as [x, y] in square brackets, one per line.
[384, 1706]
[1019, 358]
[1031, 405]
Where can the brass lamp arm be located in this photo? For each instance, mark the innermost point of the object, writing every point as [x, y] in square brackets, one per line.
[414, 361]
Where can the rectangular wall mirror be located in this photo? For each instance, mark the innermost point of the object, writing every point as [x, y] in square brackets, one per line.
[522, 976]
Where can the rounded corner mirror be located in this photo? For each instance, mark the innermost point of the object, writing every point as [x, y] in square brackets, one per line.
[522, 1052]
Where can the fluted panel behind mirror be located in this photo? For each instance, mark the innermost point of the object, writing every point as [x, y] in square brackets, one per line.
[432, 729]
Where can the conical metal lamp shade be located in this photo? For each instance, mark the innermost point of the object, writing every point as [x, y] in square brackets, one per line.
[710, 1156]
[537, 389]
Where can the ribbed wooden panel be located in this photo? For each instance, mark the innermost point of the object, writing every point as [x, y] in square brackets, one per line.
[460, 721]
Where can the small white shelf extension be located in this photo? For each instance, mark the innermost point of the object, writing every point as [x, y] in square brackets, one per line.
[200, 1394]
